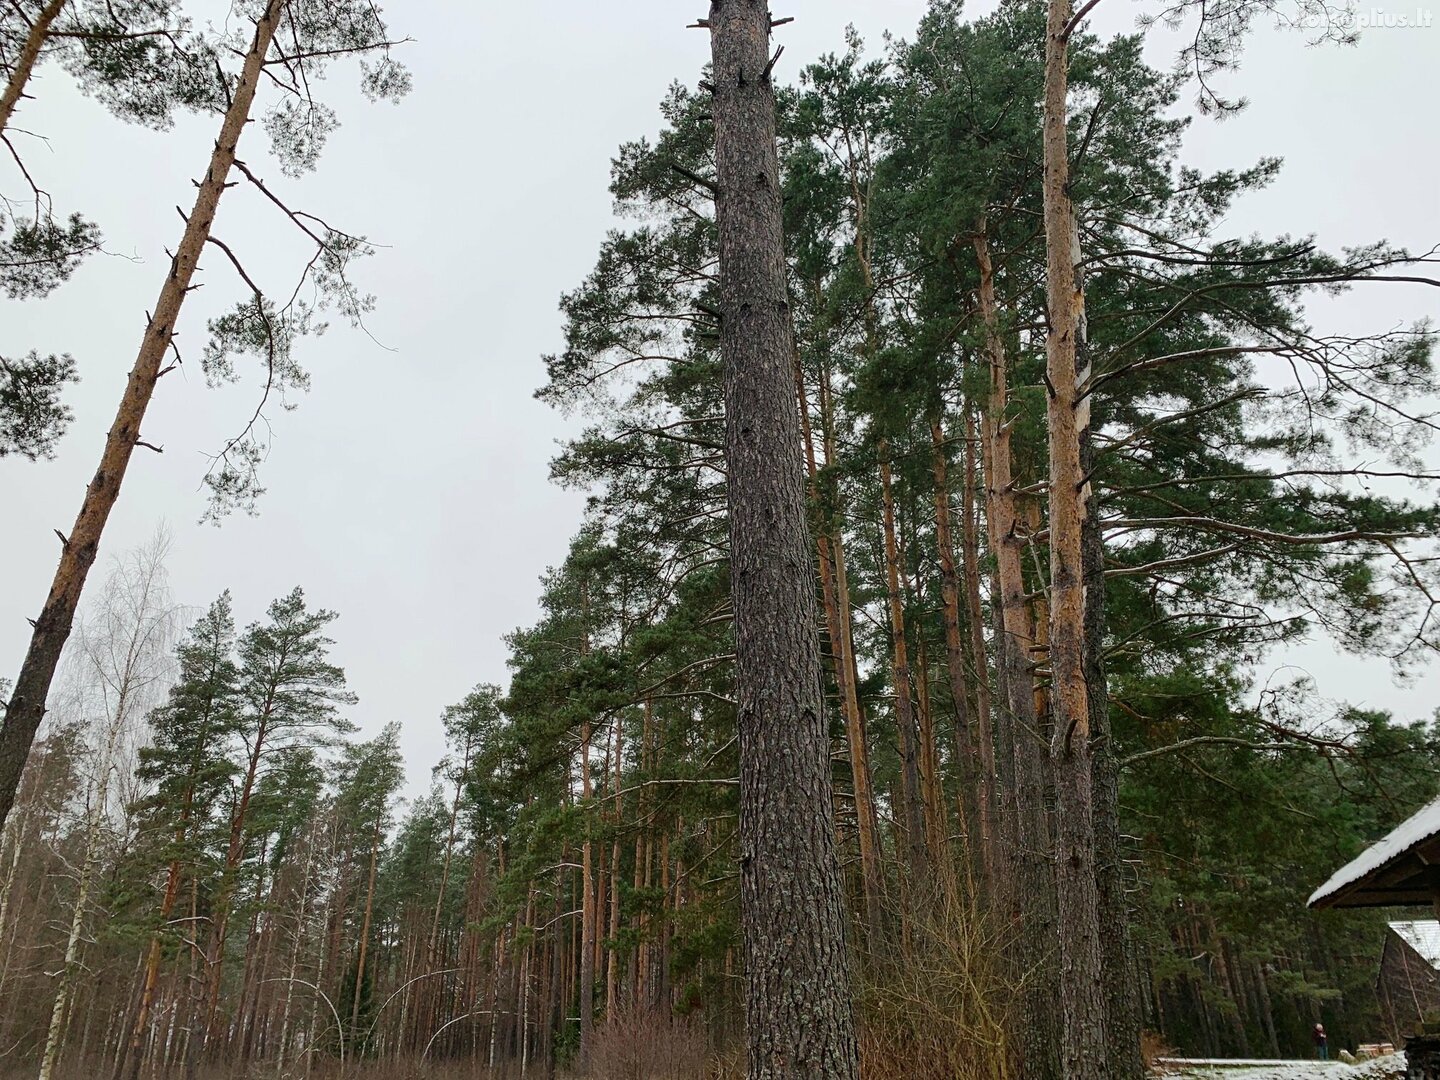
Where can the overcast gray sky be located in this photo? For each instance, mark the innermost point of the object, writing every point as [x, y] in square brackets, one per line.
[408, 491]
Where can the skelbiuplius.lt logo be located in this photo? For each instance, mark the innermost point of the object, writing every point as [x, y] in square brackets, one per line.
[1354, 19]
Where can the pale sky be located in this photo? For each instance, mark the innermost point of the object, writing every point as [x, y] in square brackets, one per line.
[408, 491]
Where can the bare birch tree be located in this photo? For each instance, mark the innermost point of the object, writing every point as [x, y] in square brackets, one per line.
[120, 662]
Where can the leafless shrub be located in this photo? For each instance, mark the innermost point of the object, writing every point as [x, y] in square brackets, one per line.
[648, 1044]
[938, 1007]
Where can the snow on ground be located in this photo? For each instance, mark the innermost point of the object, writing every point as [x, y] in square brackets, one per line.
[1389, 1067]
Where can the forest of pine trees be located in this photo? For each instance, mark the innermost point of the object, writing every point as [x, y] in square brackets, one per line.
[932, 366]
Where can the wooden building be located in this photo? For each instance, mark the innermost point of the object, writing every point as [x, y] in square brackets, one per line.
[1408, 985]
[1401, 869]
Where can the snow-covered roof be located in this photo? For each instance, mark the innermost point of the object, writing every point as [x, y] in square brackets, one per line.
[1422, 935]
[1388, 859]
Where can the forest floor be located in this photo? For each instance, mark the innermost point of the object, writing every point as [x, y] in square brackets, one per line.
[1389, 1067]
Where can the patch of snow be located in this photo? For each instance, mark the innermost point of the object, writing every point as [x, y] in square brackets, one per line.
[1389, 1067]
[1420, 826]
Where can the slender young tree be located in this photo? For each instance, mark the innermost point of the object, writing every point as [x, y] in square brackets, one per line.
[798, 1010]
[187, 766]
[289, 694]
[374, 772]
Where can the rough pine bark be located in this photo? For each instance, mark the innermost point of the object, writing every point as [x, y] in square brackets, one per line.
[78, 551]
[799, 1017]
[1082, 992]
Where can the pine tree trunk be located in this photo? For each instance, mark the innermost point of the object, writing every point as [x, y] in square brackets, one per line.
[282, 1044]
[1082, 997]
[151, 977]
[245, 1000]
[431, 956]
[830, 544]
[494, 1033]
[1032, 895]
[25, 61]
[551, 1010]
[364, 946]
[856, 736]
[676, 899]
[587, 907]
[799, 1020]
[985, 734]
[220, 911]
[602, 877]
[194, 1030]
[861, 241]
[612, 964]
[52, 628]
[644, 846]
[266, 937]
[1117, 946]
[937, 821]
[912, 802]
[527, 961]
[976, 824]
[1007, 844]
[1267, 1012]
